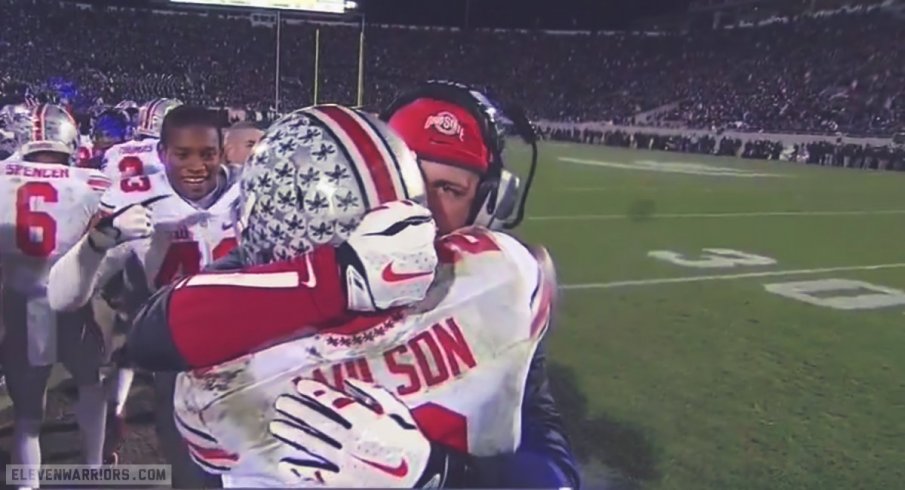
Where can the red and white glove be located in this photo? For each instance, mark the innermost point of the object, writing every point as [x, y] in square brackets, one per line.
[129, 223]
[365, 437]
[389, 260]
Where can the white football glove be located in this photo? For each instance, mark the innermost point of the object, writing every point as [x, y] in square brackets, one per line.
[390, 260]
[129, 223]
[365, 437]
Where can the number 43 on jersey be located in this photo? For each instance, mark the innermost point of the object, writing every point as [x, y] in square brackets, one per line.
[184, 258]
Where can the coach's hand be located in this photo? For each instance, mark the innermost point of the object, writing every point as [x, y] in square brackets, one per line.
[389, 260]
[129, 223]
[363, 437]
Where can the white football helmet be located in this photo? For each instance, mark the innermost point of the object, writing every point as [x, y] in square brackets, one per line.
[127, 104]
[15, 125]
[52, 129]
[313, 175]
[150, 116]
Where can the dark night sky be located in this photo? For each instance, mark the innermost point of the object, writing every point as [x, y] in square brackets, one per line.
[550, 14]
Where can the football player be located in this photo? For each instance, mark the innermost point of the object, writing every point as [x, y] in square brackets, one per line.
[488, 269]
[46, 206]
[108, 129]
[140, 156]
[15, 124]
[155, 228]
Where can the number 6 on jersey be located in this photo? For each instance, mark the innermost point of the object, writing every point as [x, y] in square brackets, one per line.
[36, 231]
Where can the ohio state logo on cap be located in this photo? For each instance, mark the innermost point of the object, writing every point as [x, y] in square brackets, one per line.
[445, 123]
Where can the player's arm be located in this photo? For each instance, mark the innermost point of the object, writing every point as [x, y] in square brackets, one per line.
[100, 254]
[210, 318]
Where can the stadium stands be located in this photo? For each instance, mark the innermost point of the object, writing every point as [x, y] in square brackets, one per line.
[823, 74]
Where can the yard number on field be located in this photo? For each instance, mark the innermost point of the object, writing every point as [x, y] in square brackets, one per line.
[839, 294]
[712, 258]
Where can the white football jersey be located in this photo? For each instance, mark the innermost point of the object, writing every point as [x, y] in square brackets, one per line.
[132, 158]
[459, 362]
[186, 237]
[44, 210]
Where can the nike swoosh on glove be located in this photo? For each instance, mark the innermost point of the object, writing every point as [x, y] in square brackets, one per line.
[363, 437]
[389, 260]
[129, 223]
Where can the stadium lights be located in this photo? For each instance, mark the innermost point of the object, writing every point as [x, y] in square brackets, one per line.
[351, 5]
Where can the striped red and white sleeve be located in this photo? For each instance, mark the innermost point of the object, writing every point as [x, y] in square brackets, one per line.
[209, 318]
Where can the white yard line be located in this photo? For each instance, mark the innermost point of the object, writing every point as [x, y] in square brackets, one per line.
[727, 277]
[755, 214]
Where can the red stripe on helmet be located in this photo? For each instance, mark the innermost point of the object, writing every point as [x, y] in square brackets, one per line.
[146, 123]
[374, 162]
[38, 134]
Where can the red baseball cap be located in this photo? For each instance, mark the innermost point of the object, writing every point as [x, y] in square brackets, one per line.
[442, 132]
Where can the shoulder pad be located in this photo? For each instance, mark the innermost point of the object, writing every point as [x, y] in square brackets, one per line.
[536, 268]
[94, 178]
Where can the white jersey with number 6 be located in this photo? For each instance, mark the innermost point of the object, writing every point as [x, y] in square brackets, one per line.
[44, 210]
[132, 158]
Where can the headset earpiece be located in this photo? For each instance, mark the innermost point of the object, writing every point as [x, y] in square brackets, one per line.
[496, 201]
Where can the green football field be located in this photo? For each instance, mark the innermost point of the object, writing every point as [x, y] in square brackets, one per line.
[724, 323]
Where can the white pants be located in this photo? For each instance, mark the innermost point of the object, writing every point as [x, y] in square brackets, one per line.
[79, 347]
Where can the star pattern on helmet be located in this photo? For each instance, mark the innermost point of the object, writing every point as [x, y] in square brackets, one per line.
[323, 152]
[345, 228]
[249, 185]
[285, 147]
[266, 206]
[277, 137]
[294, 221]
[320, 232]
[338, 174]
[299, 122]
[261, 235]
[317, 203]
[260, 158]
[286, 198]
[277, 231]
[281, 253]
[299, 245]
[265, 181]
[283, 170]
[308, 177]
[346, 202]
[311, 136]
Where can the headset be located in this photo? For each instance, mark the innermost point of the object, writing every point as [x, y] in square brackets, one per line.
[500, 198]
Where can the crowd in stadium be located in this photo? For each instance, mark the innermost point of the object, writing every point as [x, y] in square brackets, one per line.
[824, 74]
[837, 154]
[198, 285]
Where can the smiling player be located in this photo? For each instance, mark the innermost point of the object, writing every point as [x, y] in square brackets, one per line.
[183, 219]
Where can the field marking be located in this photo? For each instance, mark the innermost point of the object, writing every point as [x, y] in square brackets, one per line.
[753, 214]
[727, 277]
[673, 167]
